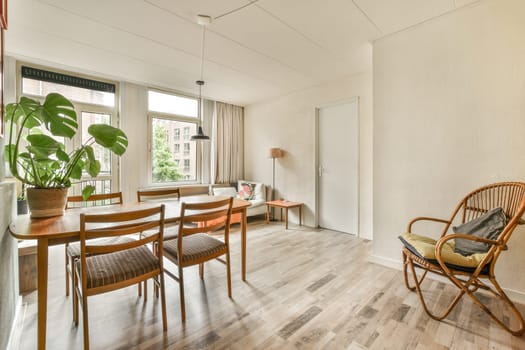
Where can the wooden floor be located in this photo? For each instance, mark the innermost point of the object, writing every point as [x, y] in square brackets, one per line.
[306, 289]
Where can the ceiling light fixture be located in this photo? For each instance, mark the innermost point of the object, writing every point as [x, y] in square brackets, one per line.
[203, 20]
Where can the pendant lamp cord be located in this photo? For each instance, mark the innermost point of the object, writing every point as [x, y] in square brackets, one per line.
[202, 51]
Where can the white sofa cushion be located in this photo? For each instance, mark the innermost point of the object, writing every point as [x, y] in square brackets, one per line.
[225, 191]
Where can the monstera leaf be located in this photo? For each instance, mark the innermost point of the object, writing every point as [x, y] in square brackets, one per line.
[109, 137]
[92, 166]
[26, 109]
[59, 115]
[42, 146]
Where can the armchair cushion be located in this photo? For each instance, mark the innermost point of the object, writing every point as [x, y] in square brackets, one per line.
[424, 247]
[487, 226]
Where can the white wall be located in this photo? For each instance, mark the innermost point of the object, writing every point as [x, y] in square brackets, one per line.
[134, 122]
[288, 122]
[449, 116]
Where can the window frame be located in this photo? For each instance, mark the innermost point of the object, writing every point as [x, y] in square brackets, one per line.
[80, 107]
[177, 118]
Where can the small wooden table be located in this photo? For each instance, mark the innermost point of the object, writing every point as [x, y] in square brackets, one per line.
[284, 205]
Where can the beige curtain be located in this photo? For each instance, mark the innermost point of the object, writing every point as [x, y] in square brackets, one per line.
[229, 143]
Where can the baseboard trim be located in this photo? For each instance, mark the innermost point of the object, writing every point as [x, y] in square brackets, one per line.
[387, 262]
[514, 295]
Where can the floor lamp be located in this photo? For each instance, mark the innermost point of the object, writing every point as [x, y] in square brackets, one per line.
[274, 153]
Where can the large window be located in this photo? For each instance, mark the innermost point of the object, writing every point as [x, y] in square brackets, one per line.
[168, 115]
[95, 103]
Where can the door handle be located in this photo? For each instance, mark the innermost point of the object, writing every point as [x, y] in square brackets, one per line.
[321, 170]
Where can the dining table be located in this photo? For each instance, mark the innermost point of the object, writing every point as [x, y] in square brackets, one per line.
[66, 228]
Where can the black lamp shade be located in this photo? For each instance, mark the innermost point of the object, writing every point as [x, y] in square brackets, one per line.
[200, 136]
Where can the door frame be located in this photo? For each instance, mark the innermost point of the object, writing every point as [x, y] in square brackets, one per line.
[316, 167]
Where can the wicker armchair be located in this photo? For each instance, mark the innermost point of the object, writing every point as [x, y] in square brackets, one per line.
[468, 273]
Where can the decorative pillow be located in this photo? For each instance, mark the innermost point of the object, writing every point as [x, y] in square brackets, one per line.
[487, 226]
[225, 191]
[246, 190]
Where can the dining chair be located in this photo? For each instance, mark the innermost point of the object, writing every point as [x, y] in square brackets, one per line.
[105, 268]
[195, 246]
[171, 231]
[158, 195]
[467, 256]
[72, 250]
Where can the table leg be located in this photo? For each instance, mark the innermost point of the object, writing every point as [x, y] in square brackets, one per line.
[281, 215]
[42, 253]
[300, 215]
[287, 218]
[267, 214]
[244, 223]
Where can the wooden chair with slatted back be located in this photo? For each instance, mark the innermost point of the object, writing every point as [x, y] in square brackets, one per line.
[159, 195]
[105, 268]
[472, 272]
[171, 231]
[195, 246]
[72, 250]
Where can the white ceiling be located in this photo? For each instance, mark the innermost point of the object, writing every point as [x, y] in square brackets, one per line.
[262, 49]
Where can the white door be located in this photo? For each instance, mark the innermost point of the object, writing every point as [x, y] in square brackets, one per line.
[338, 167]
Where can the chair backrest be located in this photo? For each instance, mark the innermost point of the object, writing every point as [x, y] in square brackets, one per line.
[94, 200]
[120, 224]
[508, 195]
[205, 217]
[158, 194]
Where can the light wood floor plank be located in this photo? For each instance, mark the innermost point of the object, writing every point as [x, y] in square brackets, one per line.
[307, 289]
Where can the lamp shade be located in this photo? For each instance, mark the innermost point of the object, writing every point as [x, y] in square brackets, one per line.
[276, 152]
[200, 136]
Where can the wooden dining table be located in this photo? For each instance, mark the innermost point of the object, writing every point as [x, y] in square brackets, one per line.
[66, 228]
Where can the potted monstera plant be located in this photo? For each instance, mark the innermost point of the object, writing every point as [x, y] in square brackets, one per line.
[37, 156]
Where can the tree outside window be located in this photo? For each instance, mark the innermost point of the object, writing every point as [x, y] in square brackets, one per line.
[173, 157]
[164, 167]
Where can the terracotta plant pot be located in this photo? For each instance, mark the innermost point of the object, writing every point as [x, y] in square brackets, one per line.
[46, 202]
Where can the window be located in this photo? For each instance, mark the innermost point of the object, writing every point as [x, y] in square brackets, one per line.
[168, 115]
[172, 104]
[40, 82]
[95, 103]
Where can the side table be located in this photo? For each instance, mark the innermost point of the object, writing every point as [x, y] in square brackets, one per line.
[284, 205]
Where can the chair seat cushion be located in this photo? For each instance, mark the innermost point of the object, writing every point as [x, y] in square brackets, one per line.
[170, 232]
[195, 248]
[425, 247]
[107, 269]
[73, 249]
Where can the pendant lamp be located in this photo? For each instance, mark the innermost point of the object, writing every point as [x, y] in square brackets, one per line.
[203, 20]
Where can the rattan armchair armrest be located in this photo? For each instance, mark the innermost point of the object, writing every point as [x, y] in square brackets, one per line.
[443, 240]
[446, 238]
[425, 218]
